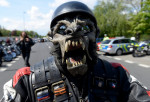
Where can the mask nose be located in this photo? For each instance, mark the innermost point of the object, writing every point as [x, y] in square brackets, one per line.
[73, 31]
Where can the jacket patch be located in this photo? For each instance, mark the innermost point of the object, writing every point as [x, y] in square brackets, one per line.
[119, 65]
[21, 72]
[148, 92]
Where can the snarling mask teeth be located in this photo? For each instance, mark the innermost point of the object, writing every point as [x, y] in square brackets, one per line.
[71, 62]
[72, 45]
[75, 53]
[80, 41]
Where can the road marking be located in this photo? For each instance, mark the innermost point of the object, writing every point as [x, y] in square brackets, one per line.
[9, 65]
[48, 46]
[108, 56]
[116, 58]
[2, 69]
[12, 62]
[16, 59]
[143, 65]
[128, 61]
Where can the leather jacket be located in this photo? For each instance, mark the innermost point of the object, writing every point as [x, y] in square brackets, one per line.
[105, 82]
[25, 46]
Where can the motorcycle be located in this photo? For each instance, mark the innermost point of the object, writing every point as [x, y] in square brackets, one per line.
[11, 51]
[15, 48]
[138, 50]
[1, 55]
[7, 54]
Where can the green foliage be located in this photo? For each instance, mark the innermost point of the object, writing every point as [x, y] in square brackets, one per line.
[145, 37]
[13, 33]
[140, 23]
[32, 34]
[0, 33]
[5, 32]
[111, 19]
[117, 17]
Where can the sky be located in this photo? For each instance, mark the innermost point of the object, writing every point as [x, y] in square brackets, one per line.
[32, 15]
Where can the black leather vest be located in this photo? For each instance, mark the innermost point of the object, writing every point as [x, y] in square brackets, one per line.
[48, 84]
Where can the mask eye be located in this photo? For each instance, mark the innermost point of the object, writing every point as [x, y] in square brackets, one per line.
[61, 29]
[86, 28]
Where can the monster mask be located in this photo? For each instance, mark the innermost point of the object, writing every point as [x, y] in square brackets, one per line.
[76, 40]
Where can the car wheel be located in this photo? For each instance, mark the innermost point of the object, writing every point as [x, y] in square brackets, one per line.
[119, 52]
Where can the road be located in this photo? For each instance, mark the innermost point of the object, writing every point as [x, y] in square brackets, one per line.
[138, 67]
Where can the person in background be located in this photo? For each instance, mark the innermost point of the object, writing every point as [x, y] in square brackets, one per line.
[105, 37]
[25, 44]
[8, 41]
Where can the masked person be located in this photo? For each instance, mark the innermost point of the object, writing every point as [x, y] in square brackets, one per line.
[73, 72]
[25, 44]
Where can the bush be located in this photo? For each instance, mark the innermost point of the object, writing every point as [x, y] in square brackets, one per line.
[145, 37]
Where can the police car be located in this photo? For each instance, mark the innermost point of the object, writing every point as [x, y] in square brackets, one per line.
[115, 46]
[98, 42]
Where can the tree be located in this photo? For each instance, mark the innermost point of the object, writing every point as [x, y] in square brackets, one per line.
[134, 5]
[0, 33]
[14, 33]
[111, 18]
[140, 23]
[5, 32]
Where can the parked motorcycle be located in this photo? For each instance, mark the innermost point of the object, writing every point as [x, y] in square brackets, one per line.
[7, 54]
[1, 55]
[15, 48]
[138, 51]
[12, 52]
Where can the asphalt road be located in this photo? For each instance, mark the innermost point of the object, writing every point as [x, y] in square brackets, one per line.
[138, 67]
[39, 52]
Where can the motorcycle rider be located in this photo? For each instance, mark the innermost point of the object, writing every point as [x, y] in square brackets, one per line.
[74, 73]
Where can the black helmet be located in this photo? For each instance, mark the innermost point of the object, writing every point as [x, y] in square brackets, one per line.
[71, 8]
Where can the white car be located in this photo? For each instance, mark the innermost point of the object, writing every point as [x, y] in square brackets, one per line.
[115, 46]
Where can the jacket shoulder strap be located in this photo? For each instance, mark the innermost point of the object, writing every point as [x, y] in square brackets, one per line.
[45, 75]
[45, 72]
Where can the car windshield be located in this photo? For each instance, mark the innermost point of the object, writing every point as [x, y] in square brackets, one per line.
[106, 42]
